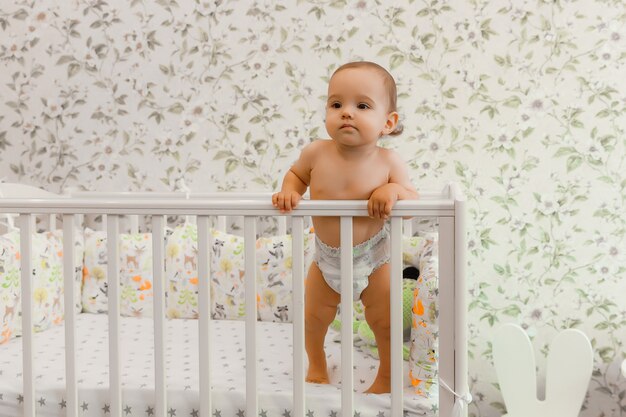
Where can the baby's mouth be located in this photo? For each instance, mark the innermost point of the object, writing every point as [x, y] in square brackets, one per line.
[346, 126]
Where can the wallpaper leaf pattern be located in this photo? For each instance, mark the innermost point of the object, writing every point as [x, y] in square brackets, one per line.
[522, 102]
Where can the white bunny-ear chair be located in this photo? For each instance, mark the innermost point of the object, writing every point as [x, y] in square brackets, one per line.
[568, 371]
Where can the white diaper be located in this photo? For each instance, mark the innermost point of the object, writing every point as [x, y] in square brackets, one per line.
[367, 257]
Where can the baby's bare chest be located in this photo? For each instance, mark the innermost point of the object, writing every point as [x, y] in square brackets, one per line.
[336, 181]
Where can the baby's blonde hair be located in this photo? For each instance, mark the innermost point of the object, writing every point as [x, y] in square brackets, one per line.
[388, 81]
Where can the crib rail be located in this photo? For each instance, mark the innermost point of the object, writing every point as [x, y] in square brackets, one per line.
[448, 208]
[223, 207]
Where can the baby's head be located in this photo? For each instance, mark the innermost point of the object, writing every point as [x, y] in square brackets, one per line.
[366, 90]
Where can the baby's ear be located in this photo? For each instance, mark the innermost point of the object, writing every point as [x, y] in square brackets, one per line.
[391, 123]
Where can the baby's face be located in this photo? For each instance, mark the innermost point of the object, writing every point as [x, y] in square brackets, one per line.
[357, 110]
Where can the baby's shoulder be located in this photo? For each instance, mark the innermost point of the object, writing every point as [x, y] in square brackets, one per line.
[389, 156]
[316, 147]
[319, 144]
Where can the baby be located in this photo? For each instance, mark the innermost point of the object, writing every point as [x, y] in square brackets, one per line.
[361, 108]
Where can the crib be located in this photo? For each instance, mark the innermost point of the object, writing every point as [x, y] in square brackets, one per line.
[447, 206]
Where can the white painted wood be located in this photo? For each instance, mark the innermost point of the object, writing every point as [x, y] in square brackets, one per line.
[335, 208]
[16, 190]
[408, 227]
[347, 379]
[221, 223]
[297, 252]
[134, 224]
[446, 313]
[282, 225]
[27, 226]
[251, 313]
[160, 337]
[113, 267]
[437, 204]
[460, 297]
[204, 311]
[69, 276]
[568, 372]
[52, 222]
[395, 288]
[104, 222]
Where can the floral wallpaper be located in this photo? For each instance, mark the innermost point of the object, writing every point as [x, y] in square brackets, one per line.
[522, 102]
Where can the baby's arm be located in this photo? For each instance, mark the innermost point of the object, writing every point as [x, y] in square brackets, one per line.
[296, 180]
[399, 187]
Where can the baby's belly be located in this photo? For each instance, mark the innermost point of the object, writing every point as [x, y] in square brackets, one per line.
[363, 228]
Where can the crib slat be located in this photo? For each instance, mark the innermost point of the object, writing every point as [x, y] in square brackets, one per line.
[460, 294]
[408, 227]
[27, 226]
[115, 380]
[297, 252]
[446, 315]
[52, 222]
[282, 225]
[347, 380]
[221, 223]
[251, 339]
[396, 317]
[71, 387]
[204, 311]
[134, 224]
[158, 268]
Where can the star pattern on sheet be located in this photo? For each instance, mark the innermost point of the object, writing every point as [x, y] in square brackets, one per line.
[188, 385]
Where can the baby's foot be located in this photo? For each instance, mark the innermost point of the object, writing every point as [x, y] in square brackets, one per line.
[317, 375]
[380, 386]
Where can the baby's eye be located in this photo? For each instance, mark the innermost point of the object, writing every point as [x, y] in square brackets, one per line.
[335, 105]
[363, 106]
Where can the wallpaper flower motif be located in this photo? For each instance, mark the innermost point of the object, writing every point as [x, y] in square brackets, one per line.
[521, 102]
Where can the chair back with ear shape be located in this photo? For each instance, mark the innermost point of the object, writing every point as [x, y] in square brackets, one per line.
[568, 372]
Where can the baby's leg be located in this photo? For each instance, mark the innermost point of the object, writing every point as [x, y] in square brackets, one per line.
[375, 299]
[320, 308]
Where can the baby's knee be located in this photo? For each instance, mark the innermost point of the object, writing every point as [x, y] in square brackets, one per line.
[319, 315]
[377, 319]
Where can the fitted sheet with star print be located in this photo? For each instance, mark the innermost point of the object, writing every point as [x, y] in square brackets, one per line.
[227, 372]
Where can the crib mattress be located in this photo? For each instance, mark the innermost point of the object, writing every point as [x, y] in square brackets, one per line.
[227, 372]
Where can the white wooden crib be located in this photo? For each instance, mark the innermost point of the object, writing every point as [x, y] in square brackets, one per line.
[448, 206]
